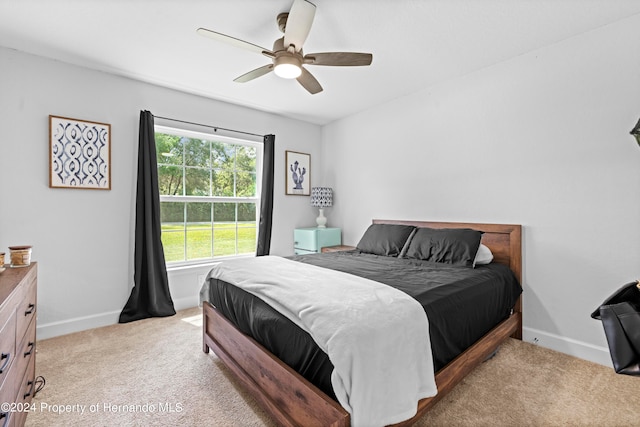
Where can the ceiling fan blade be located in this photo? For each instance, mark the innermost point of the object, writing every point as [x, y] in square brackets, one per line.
[349, 59]
[299, 23]
[231, 40]
[309, 82]
[254, 74]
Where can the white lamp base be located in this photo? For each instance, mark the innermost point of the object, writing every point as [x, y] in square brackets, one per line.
[321, 220]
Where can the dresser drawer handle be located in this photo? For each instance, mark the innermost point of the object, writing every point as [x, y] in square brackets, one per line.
[30, 309]
[6, 362]
[30, 347]
[27, 394]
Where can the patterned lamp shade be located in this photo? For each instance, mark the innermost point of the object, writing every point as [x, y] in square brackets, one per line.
[321, 197]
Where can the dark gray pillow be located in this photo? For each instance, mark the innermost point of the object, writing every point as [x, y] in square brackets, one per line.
[385, 239]
[456, 246]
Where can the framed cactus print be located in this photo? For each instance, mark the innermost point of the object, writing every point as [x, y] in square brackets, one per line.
[297, 173]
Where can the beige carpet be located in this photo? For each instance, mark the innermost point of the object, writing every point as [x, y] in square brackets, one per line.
[153, 373]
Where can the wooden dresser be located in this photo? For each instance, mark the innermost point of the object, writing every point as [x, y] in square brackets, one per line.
[17, 342]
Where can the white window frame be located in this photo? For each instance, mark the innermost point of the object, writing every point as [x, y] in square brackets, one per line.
[214, 199]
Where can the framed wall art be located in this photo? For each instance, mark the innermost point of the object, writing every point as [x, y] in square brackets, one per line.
[297, 173]
[79, 154]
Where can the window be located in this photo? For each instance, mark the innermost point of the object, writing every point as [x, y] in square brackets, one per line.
[209, 194]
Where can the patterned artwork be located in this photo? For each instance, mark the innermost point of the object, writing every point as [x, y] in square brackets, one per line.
[298, 173]
[80, 154]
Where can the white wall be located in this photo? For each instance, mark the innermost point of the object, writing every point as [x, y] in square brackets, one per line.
[82, 239]
[541, 140]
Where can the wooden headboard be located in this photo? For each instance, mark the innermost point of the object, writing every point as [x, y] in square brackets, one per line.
[504, 240]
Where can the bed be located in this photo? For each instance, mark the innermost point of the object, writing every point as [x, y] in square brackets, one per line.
[291, 399]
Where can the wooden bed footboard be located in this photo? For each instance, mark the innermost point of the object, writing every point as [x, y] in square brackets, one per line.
[293, 401]
[287, 396]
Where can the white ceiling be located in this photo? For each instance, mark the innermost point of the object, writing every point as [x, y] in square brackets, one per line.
[415, 44]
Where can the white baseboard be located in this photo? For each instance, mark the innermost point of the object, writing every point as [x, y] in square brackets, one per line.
[186, 302]
[63, 327]
[568, 346]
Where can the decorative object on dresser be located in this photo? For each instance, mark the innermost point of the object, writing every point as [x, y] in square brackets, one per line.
[321, 197]
[18, 287]
[297, 173]
[79, 154]
[20, 256]
[312, 240]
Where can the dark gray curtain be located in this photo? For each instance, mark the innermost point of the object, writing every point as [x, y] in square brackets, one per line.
[150, 295]
[266, 200]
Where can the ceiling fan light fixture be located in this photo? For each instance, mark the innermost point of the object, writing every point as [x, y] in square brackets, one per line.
[288, 67]
[287, 54]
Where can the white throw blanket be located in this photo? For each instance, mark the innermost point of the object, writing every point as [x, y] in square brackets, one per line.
[377, 337]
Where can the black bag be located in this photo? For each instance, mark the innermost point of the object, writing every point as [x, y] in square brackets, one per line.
[620, 315]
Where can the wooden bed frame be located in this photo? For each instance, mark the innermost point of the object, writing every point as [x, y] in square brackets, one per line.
[293, 401]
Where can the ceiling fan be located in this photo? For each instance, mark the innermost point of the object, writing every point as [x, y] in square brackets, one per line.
[287, 56]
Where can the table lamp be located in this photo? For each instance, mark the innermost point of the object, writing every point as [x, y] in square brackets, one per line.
[321, 197]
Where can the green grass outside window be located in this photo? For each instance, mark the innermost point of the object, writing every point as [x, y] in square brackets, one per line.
[199, 240]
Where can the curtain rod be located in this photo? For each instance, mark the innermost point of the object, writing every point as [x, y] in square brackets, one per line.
[215, 128]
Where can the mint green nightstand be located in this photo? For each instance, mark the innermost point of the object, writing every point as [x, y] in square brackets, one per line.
[312, 240]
